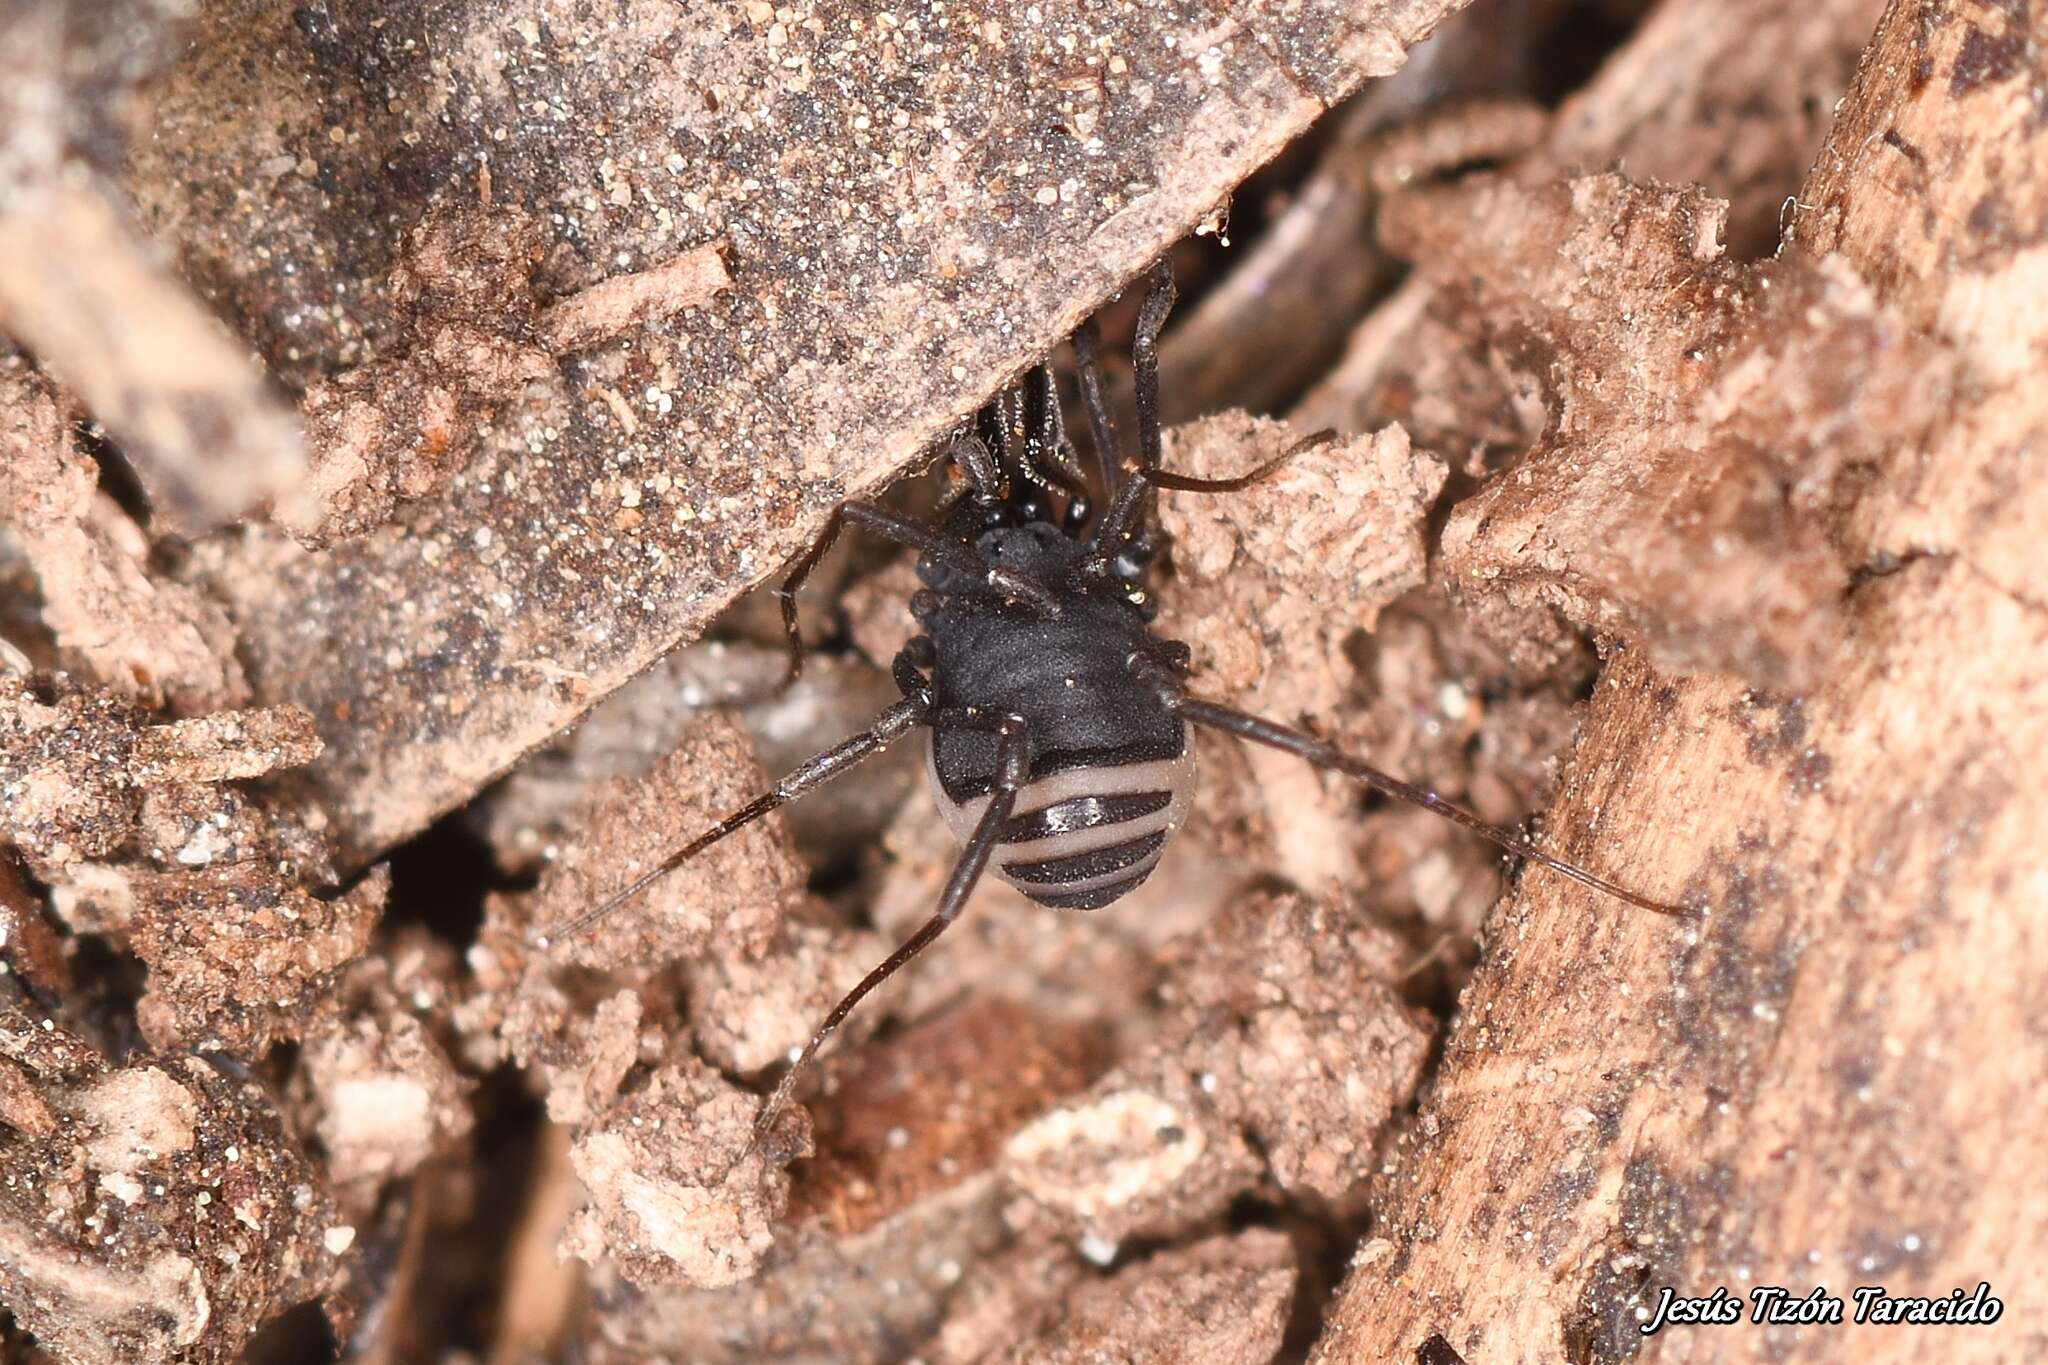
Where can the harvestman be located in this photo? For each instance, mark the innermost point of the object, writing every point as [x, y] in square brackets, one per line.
[1060, 751]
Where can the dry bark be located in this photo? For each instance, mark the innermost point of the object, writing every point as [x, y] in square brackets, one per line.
[1800, 1085]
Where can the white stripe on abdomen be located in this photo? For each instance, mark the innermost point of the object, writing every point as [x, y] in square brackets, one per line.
[1174, 776]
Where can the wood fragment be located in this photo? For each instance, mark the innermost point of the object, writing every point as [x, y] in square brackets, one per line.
[1791, 1089]
[80, 288]
[615, 306]
[88, 293]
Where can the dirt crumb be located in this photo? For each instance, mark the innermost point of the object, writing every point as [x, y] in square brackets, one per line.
[21, 1106]
[225, 746]
[1223, 1301]
[671, 1198]
[387, 1098]
[45, 1048]
[29, 945]
[1007, 1299]
[74, 769]
[1132, 1160]
[1319, 1051]
[136, 1116]
[927, 1109]
[749, 1012]
[238, 957]
[1287, 1051]
[732, 896]
[1363, 548]
[616, 305]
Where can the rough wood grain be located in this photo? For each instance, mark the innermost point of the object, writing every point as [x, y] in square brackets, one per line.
[910, 217]
[1832, 1076]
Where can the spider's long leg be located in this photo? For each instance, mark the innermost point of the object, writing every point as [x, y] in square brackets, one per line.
[1158, 302]
[1330, 756]
[952, 553]
[1101, 429]
[1183, 483]
[1013, 769]
[1129, 507]
[814, 772]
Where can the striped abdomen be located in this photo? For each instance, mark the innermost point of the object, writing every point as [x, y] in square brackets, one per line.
[1082, 837]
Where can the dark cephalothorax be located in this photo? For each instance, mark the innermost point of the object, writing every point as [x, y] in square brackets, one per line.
[1060, 726]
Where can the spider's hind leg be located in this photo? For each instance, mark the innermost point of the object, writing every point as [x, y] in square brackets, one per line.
[1325, 755]
[812, 773]
[1013, 770]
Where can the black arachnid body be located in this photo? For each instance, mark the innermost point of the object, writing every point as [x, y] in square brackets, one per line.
[1111, 766]
[1060, 728]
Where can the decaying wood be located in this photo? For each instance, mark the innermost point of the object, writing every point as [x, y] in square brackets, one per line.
[1829, 1075]
[1476, 366]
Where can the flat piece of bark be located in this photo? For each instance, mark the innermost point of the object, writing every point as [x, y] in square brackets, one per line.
[910, 213]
